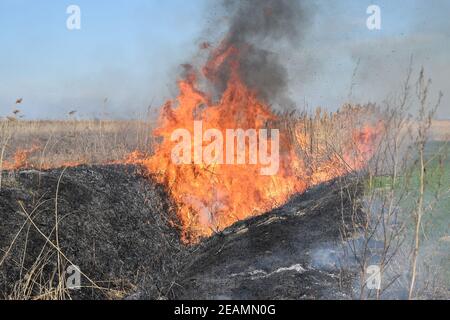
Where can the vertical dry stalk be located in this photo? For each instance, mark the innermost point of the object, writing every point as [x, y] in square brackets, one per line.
[426, 114]
[392, 197]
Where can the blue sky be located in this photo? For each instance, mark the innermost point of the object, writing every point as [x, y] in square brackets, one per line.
[130, 52]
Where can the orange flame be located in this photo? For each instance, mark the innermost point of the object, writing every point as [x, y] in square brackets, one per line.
[212, 197]
[21, 159]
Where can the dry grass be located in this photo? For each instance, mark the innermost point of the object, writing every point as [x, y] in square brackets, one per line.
[36, 282]
[49, 144]
[440, 130]
[45, 144]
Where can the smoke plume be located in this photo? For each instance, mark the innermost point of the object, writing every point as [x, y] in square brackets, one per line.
[259, 30]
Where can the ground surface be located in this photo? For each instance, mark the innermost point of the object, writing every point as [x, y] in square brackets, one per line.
[114, 224]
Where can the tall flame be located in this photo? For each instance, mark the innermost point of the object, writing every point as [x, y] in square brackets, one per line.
[211, 197]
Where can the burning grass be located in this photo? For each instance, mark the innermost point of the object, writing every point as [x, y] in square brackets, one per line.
[314, 149]
[326, 145]
[212, 195]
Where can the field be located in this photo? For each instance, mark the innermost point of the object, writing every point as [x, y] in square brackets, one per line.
[235, 150]
[49, 144]
[440, 130]
[71, 192]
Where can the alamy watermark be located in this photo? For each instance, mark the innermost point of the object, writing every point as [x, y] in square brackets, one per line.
[73, 22]
[374, 20]
[73, 277]
[373, 281]
[236, 143]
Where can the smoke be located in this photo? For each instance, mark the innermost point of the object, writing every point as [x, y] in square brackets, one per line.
[260, 30]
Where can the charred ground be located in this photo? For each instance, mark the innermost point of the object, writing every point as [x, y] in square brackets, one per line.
[119, 227]
[113, 224]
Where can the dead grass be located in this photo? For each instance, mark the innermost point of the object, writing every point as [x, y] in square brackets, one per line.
[440, 130]
[34, 283]
[49, 144]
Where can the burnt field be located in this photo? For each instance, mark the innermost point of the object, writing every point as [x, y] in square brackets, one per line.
[120, 229]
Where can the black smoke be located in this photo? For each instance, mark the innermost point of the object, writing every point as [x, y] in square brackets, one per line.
[261, 30]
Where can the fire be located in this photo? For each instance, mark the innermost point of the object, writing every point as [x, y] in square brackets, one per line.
[212, 196]
[22, 159]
